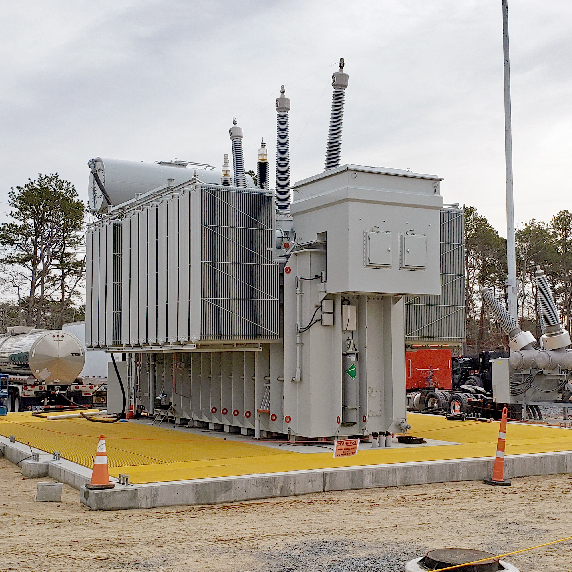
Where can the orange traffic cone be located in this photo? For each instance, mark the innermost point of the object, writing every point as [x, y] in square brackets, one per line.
[130, 413]
[498, 470]
[100, 474]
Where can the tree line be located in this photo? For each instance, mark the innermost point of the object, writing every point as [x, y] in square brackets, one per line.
[42, 258]
[548, 245]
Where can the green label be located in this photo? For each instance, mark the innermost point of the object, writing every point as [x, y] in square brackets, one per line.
[352, 371]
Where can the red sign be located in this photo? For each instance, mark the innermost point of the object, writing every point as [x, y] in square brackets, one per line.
[346, 447]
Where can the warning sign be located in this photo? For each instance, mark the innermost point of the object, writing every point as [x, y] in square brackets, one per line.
[346, 447]
[352, 371]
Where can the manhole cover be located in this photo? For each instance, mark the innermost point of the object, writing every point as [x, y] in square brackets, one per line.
[452, 556]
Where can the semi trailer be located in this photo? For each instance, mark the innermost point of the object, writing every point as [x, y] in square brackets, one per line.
[43, 368]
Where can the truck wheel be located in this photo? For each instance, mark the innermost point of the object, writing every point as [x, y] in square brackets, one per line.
[410, 400]
[461, 400]
[418, 402]
[436, 400]
[444, 398]
[415, 401]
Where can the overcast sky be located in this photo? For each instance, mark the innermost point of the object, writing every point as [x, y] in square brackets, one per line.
[153, 80]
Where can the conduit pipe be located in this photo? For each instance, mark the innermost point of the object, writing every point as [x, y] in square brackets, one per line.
[298, 375]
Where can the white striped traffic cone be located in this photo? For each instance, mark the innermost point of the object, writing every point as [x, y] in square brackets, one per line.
[498, 470]
[100, 473]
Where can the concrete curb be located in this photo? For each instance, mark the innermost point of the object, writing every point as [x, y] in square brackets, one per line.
[63, 471]
[251, 487]
[269, 485]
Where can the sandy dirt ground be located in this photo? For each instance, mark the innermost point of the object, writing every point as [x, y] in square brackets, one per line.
[376, 529]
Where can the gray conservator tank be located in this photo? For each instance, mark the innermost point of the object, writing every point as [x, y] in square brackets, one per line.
[125, 180]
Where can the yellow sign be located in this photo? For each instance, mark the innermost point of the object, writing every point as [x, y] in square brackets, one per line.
[346, 447]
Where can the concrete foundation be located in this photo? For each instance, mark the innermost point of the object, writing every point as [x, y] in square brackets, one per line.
[258, 486]
[49, 492]
[34, 469]
[250, 487]
[62, 471]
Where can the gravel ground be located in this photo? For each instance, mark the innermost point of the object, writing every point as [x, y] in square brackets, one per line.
[554, 412]
[354, 531]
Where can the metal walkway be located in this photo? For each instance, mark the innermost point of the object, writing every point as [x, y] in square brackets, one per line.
[157, 454]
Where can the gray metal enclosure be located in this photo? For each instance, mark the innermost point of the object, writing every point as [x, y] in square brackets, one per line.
[365, 238]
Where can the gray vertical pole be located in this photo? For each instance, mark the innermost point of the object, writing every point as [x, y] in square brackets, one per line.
[511, 283]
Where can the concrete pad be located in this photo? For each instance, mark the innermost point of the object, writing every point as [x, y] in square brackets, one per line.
[49, 492]
[34, 469]
[243, 488]
[188, 466]
[69, 473]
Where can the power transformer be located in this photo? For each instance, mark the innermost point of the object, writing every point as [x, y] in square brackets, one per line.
[238, 308]
[190, 283]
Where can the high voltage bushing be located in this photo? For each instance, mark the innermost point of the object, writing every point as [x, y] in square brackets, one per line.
[555, 336]
[237, 155]
[545, 299]
[226, 178]
[518, 339]
[262, 167]
[334, 147]
[282, 153]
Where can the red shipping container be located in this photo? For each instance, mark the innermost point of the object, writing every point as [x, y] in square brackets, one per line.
[427, 367]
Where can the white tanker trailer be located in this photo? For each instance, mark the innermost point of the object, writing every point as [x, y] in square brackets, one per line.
[43, 368]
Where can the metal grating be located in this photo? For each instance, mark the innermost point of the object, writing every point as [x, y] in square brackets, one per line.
[442, 318]
[239, 277]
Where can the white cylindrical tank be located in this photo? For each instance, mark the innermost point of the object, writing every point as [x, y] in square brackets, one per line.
[95, 361]
[124, 180]
[52, 356]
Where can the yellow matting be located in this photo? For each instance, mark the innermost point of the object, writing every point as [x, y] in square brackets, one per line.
[157, 454]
